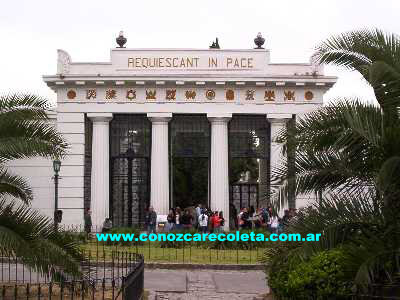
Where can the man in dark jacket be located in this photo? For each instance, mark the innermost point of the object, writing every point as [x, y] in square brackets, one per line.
[151, 220]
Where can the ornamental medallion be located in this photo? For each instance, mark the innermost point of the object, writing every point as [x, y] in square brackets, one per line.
[250, 94]
[151, 94]
[289, 95]
[190, 95]
[71, 94]
[130, 94]
[111, 94]
[90, 94]
[210, 94]
[308, 95]
[269, 95]
[230, 95]
[170, 94]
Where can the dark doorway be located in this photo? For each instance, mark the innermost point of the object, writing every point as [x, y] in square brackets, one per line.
[130, 137]
[189, 159]
[190, 178]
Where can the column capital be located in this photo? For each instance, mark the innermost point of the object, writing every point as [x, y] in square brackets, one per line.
[159, 117]
[219, 117]
[100, 117]
[278, 118]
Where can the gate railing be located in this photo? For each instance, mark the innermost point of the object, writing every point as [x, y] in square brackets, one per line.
[120, 278]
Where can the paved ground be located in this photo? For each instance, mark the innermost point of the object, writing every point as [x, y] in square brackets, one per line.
[175, 284]
[205, 284]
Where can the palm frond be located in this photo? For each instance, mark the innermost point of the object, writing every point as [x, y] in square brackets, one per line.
[15, 186]
[32, 237]
[25, 129]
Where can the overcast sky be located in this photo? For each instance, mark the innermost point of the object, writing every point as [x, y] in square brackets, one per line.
[32, 31]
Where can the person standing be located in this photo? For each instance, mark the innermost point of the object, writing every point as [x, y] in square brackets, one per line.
[203, 222]
[87, 218]
[178, 218]
[171, 220]
[198, 213]
[221, 221]
[215, 222]
[187, 220]
[151, 220]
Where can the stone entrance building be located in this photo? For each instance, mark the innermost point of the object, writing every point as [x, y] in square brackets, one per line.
[171, 127]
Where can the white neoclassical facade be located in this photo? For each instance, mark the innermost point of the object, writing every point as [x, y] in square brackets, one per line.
[171, 127]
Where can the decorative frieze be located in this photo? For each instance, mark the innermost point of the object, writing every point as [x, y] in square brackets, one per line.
[142, 94]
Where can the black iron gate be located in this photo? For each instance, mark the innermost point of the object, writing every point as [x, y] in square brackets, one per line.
[249, 160]
[130, 140]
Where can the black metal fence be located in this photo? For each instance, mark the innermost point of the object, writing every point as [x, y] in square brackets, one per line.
[121, 276]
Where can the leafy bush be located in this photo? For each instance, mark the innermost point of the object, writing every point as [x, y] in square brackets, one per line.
[323, 276]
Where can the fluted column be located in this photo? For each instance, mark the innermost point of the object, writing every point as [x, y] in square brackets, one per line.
[159, 191]
[100, 189]
[219, 164]
[278, 123]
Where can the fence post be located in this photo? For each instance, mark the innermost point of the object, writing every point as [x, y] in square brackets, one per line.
[50, 290]
[83, 290]
[149, 251]
[103, 287]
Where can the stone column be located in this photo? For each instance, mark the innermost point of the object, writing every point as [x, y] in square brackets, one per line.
[100, 189]
[219, 164]
[159, 195]
[278, 123]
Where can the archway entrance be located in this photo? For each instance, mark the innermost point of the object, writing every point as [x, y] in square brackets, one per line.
[189, 160]
[130, 137]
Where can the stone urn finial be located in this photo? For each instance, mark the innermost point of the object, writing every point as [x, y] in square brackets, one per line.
[121, 40]
[259, 41]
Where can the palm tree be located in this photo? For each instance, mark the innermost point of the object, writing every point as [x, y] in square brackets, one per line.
[25, 131]
[350, 143]
[351, 150]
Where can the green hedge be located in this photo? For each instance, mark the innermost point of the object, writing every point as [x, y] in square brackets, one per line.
[323, 276]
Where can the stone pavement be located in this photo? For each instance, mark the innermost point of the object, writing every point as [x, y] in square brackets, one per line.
[205, 284]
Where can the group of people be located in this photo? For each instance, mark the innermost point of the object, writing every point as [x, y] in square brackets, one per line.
[205, 220]
[201, 218]
[249, 218]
